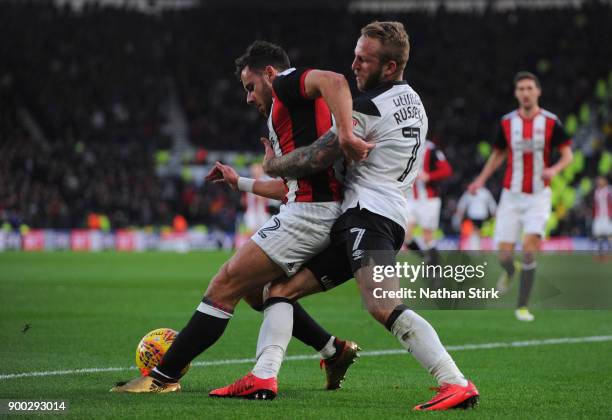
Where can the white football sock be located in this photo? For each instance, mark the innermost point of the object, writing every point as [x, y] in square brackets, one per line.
[420, 339]
[329, 350]
[274, 336]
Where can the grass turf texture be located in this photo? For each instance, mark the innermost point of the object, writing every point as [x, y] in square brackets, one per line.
[90, 310]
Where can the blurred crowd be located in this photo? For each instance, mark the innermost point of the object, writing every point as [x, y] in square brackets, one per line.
[84, 96]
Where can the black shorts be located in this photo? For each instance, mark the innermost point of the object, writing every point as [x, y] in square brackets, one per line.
[358, 237]
[477, 222]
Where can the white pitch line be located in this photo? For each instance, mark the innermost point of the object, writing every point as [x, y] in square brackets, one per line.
[481, 346]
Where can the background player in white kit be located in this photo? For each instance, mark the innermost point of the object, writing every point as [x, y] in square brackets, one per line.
[390, 115]
[478, 208]
[255, 206]
[256, 213]
[526, 137]
[602, 212]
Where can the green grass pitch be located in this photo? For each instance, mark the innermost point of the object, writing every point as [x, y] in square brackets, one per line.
[90, 310]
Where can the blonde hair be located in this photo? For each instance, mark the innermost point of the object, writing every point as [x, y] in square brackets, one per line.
[393, 38]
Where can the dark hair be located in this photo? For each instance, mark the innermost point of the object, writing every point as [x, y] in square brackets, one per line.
[522, 75]
[261, 54]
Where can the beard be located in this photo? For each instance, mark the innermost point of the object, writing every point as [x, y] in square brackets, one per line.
[528, 105]
[263, 111]
[265, 108]
[373, 80]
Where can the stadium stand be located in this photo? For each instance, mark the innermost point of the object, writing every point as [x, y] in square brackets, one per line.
[86, 122]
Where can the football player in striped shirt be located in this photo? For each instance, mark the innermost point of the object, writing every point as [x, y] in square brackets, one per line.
[298, 104]
[526, 139]
[390, 115]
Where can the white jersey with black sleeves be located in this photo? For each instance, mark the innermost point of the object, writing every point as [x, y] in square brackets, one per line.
[393, 117]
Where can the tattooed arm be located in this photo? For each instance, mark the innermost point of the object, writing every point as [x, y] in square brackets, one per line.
[305, 160]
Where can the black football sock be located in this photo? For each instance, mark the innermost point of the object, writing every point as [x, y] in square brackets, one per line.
[508, 265]
[397, 311]
[307, 330]
[203, 329]
[527, 278]
[414, 246]
[432, 256]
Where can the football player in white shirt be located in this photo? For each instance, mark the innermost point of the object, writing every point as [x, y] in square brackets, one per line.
[478, 208]
[370, 231]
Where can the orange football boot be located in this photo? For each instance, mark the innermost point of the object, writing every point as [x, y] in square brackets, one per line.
[249, 387]
[451, 396]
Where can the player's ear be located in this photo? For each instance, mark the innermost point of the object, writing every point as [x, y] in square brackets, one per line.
[269, 73]
[389, 68]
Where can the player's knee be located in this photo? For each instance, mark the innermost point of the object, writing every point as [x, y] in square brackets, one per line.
[531, 246]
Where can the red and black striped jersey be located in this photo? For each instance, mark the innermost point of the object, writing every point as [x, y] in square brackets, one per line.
[436, 167]
[296, 121]
[529, 143]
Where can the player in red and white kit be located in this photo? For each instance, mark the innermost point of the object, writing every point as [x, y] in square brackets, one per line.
[424, 205]
[526, 139]
[297, 103]
[602, 212]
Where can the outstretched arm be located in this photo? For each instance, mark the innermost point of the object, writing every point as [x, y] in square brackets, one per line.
[269, 188]
[303, 161]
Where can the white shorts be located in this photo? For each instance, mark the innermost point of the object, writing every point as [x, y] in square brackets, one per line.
[521, 212]
[602, 227]
[296, 234]
[425, 212]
